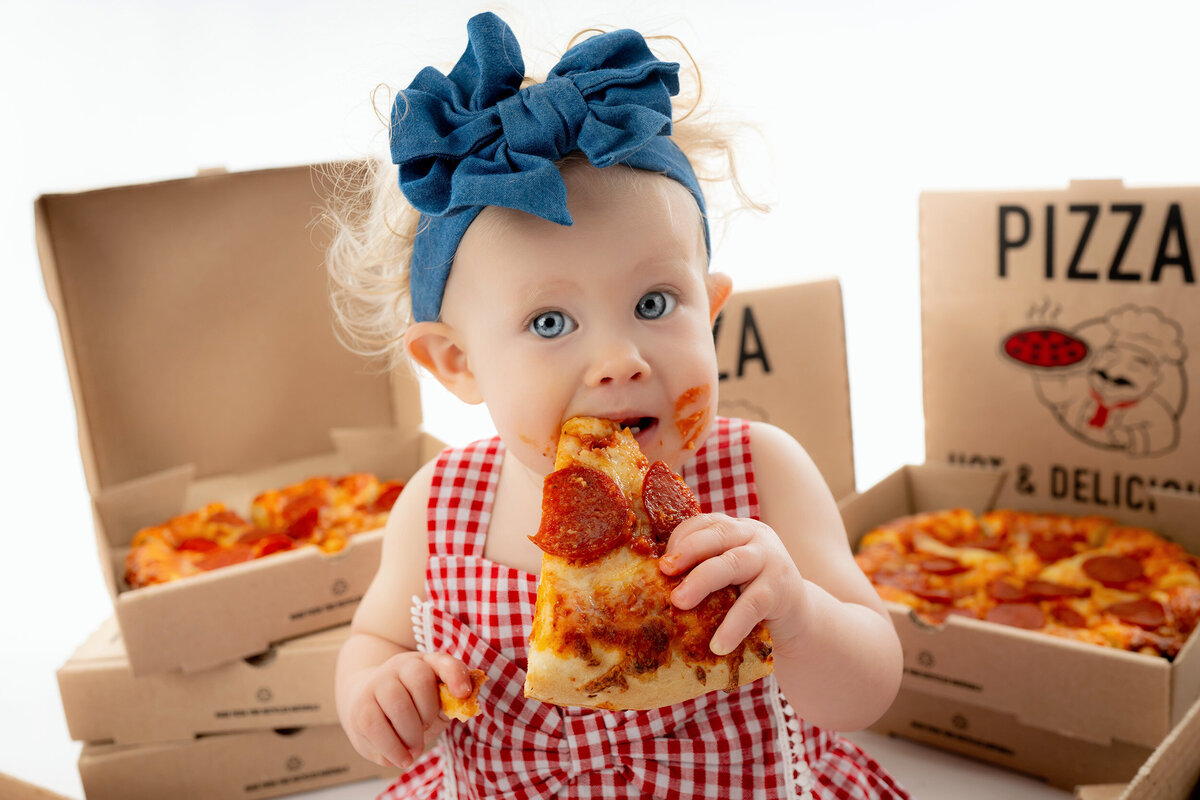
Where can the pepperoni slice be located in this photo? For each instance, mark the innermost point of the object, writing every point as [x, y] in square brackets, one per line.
[584, 514]
[935, 595]
[1045, 347]
[273, 543]
[1051, 550]
[226, 517]
[668, 501]
[302, 527]
[198, 544]
[1045, 590]
[1112, 570]
[1007, 591]
[1143, 612]
[387, 496]
[1069, 617]
[234, 554]
[939, 565]
[1018, 615]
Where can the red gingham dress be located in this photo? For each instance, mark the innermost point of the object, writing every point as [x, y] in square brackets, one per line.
[745, 744]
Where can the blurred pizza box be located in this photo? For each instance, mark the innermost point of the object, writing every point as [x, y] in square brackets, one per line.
[12, 788]
[201, 350]
[1000, 739]
[290, 685]
[1171, 773]
[230, 766]
[1059, 336]
[781, 352]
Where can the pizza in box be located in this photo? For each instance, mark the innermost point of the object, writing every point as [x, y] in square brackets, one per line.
[322, 512]
[1085, 578]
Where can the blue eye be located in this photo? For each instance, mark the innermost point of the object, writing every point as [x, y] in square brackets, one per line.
[655, 304]
[552, 324]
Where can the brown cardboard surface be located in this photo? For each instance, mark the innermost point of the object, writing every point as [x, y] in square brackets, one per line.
[1113, 267]
[1173, 771]
[1100, 791]
[201, 349]
[1000, 739]
[225, 767]
[196, 324]
[291, 685]
[1084, 691]
[782, 358]
[16, 789]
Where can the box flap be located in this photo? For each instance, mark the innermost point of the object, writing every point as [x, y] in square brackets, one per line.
[197, 327]
[1060, 338]
[782, 356]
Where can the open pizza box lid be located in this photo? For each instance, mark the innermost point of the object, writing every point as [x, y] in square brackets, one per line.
[1039, 308]
[203, 359]
[781, 352]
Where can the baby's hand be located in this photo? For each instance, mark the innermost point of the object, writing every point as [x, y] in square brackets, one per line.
[394, 712]
[723, 551]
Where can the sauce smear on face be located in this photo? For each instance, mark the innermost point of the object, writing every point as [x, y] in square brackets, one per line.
[691, 423]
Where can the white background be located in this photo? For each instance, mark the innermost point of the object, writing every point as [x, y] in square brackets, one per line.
[860, 105]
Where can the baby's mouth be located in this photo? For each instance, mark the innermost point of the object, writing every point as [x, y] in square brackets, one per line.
[639, 426]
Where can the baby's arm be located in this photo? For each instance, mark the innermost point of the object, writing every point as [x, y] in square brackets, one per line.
[837, 656]
[386, 691]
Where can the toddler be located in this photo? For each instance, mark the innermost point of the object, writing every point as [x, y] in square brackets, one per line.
[559, 267]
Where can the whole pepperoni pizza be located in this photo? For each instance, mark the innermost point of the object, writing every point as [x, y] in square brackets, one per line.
[321, 512]
[1084, 578]
[605, 633]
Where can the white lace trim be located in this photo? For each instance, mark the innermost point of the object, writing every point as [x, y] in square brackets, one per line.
[422, 623]
[791, 741]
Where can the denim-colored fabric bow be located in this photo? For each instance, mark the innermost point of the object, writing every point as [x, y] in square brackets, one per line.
[475, 138]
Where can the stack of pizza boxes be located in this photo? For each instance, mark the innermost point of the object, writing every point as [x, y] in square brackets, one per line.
[205, 367]
[1100, 421]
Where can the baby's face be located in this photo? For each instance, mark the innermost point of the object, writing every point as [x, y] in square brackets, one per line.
[609, 317]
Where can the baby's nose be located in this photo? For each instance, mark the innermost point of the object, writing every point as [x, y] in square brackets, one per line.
[618, 365]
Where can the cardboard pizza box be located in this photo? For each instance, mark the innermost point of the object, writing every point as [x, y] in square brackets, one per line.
[1000, 739]
[1171, 773]
[203, 360]
[290, 685]
[782, 358]
[12, 788]
[229, 766]
[1059, 335]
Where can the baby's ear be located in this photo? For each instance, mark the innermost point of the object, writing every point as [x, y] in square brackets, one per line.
[435, 346]
[720, 286]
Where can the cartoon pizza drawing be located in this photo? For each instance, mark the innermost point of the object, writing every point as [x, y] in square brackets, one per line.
[1116, 382]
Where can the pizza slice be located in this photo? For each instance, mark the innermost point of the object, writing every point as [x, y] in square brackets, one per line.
[605, 634]
[462, 709]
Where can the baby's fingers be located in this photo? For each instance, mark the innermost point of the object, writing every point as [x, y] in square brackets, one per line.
[699, 538]
[751, 608]
[398, 702]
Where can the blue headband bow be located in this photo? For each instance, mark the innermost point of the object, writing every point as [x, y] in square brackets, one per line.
[475, 138]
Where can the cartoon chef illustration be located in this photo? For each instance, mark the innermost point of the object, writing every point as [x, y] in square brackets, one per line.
[1115, 382]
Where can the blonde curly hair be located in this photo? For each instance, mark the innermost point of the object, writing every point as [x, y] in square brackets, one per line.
[374, 226]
